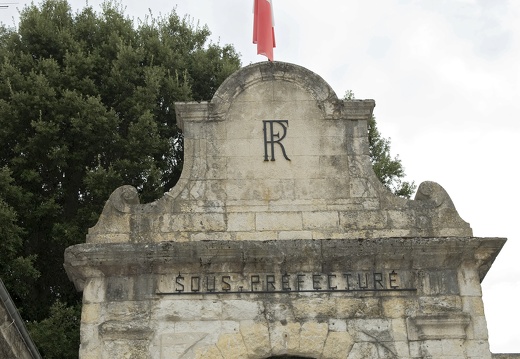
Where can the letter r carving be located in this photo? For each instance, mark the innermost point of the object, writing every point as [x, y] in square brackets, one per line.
[270, 138]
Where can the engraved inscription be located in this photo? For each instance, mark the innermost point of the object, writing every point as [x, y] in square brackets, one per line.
[227, 283]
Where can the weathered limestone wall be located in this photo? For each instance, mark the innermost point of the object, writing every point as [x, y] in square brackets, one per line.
[15, 341]
[279, 240]
[388, 298]
[317, 181]
[11, 343]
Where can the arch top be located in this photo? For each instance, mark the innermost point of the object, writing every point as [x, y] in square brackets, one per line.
[263, 72]
[269, 71]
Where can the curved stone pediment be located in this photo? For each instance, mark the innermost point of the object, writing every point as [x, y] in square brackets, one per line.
[276, 155]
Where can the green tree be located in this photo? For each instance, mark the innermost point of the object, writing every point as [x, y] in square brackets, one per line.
[86, 105]
[61, 326]
[389, 170]
[16, 270]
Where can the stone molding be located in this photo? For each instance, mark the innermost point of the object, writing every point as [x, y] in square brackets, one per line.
[437, 327]
[90, 260]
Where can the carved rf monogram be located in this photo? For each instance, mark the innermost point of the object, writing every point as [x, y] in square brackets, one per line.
[272, 136]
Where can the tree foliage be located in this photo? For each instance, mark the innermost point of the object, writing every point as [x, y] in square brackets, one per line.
[17, 271]
[61, 326]
[389, 170]
[86, 105]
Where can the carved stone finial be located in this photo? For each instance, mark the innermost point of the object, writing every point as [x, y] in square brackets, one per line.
[124, 197]
[435, 193]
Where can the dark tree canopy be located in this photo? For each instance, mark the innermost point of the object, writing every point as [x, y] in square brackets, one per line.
[389, 170]
[86, 105]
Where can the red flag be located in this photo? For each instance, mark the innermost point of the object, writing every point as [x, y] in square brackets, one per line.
[263, 28]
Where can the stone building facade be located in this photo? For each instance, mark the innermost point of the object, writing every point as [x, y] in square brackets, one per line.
[15, 341]
[279, 240]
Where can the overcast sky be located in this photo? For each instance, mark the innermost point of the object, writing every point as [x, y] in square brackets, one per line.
[445, 75]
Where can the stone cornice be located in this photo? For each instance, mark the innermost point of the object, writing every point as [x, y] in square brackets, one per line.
[86, 261]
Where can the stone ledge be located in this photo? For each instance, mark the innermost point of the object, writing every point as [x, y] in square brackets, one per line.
[113, 330]
[436, 327]
[89, 260]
